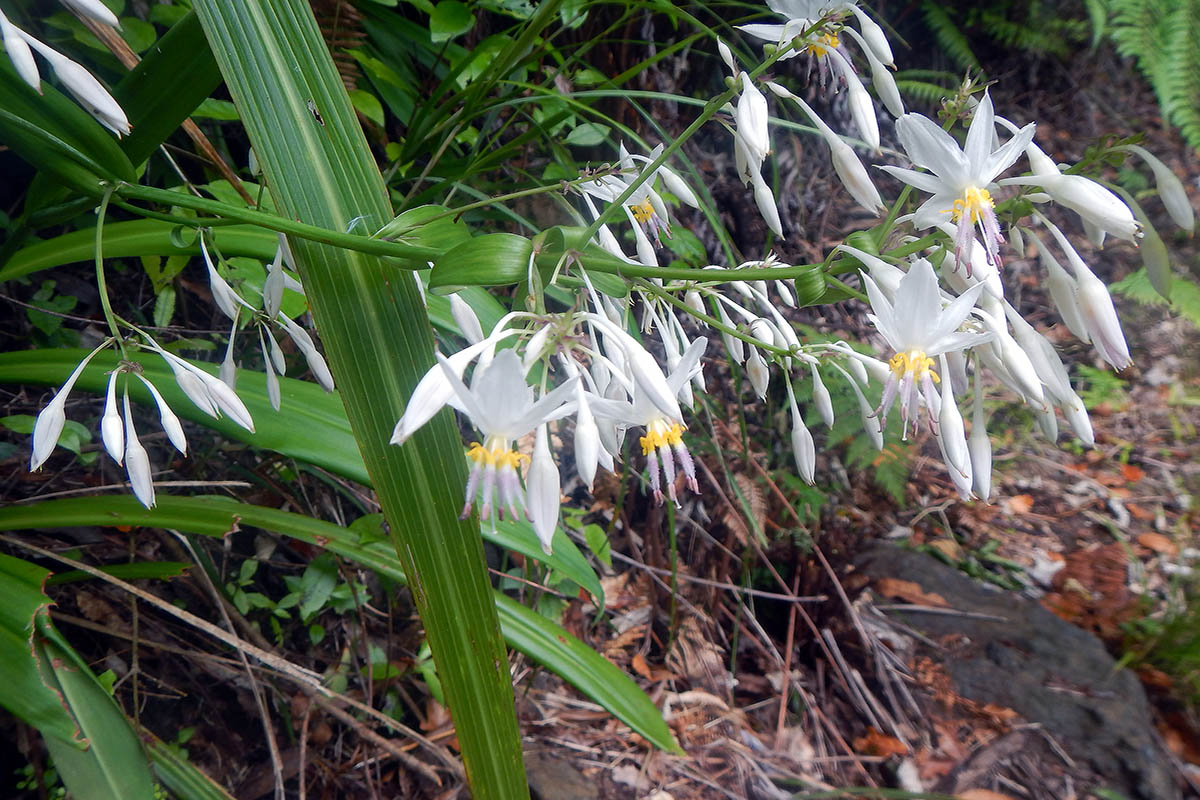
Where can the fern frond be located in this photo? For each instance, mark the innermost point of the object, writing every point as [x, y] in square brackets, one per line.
[949, 36]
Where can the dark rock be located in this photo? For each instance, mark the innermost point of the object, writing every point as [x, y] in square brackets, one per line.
[1044, 668]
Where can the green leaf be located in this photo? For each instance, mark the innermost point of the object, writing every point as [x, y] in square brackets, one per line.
[220, 110]
[173, 78]
[1185, 294]
[448, 19]
[588, 134]
[22, 691]
[368, 105]
[316, 584]
[51, 131]
[137, 238]
[379, 344]
[495, 259]
[154, 570]
[566, 557]
[113, 767]
[594, 675]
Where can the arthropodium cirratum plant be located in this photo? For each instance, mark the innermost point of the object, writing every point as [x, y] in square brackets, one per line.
[936, 298]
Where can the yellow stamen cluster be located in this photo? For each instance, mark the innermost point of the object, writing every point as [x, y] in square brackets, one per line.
[498, 457]
[972, 204]
[642, 212]
[914, 363]
[824, 43]
[659, 434]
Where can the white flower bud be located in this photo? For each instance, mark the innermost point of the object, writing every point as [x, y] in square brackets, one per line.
[53, 418]
[980, 447]
[1170, 189]
[20, 54]
[543, 491]
[804, 450]
[93, 9]
[137, 463]
[466, 319]
[84, 87]
[112, 429]
[821, 398]
[758, 373]
[1096, 307]
[170, 422]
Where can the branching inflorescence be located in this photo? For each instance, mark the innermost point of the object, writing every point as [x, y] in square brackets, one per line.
[616, 363]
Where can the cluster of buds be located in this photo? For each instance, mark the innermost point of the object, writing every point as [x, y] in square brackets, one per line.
[215, 395]
[117, 431]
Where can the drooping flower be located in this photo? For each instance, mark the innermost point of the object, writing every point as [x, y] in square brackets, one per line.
[919, 329]
[502, 406]
[654, 407]
[962, 178]
[53, 418]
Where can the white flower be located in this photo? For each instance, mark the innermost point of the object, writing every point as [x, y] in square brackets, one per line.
[961, 176]
[1063, 291]
[919, 330]
[821, 398]
[1100, 209]
[51, 420]
[170, 422]
[502, 406]
[663, 440]
[751, 146]
[980, 447]
[112, 429]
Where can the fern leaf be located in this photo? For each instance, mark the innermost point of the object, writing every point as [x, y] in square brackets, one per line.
[949, 37]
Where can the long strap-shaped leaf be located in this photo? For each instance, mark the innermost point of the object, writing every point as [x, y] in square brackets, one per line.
[373, 325]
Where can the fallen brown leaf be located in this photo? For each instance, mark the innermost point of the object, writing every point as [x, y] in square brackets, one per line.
[875, 743]
[983, 794]
[1131, 473]
[1158, 543]
[1020, 504]
[910, 591]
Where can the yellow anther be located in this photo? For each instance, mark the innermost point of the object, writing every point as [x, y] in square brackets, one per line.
[498, 456]
[972, 205]
[824, 43]
[643, 212]
[914, 363]
[659, 434]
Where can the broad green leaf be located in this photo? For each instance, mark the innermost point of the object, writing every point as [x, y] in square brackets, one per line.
[174, 76]
[495, 259]
[539, 638]
[525, 630]
[113, 767]
[136, 238]
[565, 559]
[588, 134]
[22, 691]
[448, 19]
[379, 343]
